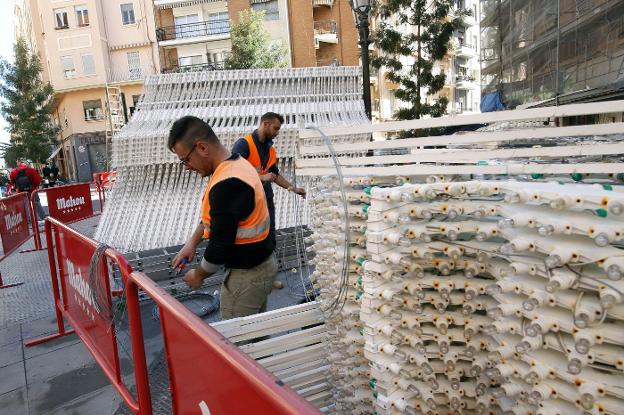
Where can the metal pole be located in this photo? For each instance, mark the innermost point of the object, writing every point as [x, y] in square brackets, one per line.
[362, 25]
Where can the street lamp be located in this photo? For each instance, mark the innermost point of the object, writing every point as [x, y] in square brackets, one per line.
[361, 10]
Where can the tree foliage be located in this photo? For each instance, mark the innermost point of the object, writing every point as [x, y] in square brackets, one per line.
[413, 35]
[252, 46]
[26, 106]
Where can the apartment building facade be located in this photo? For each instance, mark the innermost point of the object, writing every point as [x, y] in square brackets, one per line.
[461, 67]
[95, 53]
[195, 35]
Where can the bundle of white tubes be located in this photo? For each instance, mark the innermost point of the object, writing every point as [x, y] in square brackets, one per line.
[474, 294]
[155, 203]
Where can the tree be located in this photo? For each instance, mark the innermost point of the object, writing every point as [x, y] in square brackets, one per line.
[27, 107]
[410, 54]
[251, 45]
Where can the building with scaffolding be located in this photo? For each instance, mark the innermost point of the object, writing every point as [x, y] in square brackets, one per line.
[552, 51]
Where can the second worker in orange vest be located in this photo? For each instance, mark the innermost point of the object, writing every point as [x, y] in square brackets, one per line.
[258, 149]
[234, 218]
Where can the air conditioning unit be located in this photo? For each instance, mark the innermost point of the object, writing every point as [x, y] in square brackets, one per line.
[317, 44]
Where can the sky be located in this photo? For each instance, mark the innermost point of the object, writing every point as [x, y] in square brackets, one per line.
[6, 47]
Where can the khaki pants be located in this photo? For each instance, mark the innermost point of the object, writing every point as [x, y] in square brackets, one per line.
[245, 291]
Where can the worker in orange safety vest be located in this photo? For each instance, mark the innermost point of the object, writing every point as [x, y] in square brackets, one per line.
[234, 218]
[258, 149]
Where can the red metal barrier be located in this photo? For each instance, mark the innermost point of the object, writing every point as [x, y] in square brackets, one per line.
[103, 181]
[207, 373]
[13, 227]
[65, 203]
[73, 302]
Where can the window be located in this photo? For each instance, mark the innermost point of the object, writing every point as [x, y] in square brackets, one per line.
[188, 26]
[191, 60]
[82, 15]
[218, 23]
[134, 65]
[270, 8]
[135, 101]
[88, 64]
[69, 71]
[127, 14]
[61, 19]
[92, 110]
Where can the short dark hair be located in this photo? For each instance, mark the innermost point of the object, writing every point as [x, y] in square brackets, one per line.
[270, 116]
[189, 129]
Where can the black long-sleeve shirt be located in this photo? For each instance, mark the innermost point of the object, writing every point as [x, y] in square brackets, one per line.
[231, 201]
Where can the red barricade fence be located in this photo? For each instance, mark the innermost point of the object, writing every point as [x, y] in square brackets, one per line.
[13, 227]
[73, 301]
[207, 374]
[103, 181]
[67, 204]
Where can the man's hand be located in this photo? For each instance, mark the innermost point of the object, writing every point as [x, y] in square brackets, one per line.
[300, 191]
[194, 278]
[269, 177]
[187, 251]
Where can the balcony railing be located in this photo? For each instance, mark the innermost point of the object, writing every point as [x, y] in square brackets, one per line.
[190, 30]
[328, 62]
[200, 67]
[318, 3]
[129, 74]
[465, 78]
[322, 27]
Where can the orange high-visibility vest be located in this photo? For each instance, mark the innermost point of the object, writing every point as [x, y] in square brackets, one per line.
[254, 156]
[256, 226]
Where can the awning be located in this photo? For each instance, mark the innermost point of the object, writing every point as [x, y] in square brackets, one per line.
[169, 4]
[55, 152]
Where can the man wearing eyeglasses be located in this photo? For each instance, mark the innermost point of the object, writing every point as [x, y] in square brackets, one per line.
[234, 218]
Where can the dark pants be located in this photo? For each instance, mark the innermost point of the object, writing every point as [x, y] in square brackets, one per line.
[272, 236]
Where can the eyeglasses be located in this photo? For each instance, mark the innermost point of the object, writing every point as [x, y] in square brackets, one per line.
[184, 161]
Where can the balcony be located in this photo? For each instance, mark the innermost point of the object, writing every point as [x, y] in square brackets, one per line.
[465, 81]
[129, 75]
[466, 49]
[328, 62]
[193, 32]
[326, 31]
[321, 3]
[200, 67]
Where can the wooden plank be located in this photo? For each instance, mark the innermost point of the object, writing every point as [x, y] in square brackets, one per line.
[509, 168]
[273, 326]
[307, 378]
[300, 369]
[486, 118]
[318, 392]
[468, 156]
[286, 342]
[225, 325]
[478, 137]
[294, 357]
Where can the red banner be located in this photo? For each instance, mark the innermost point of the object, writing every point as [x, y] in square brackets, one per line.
[84, 311]
[13, 222]
[70, 203]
